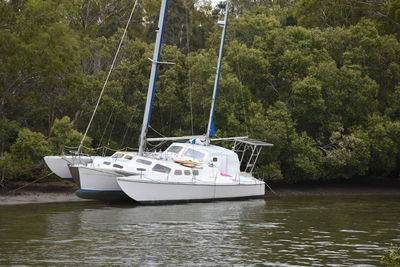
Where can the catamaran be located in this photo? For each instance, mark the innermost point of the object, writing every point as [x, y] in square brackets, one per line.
[196, 170]
[190, 171]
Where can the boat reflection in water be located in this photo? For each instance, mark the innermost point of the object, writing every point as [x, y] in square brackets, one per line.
[290, 231]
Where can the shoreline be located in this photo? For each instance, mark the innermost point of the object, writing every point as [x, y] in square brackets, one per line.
[64, 191]
[359, 186]
[361, 190]
[44, 192]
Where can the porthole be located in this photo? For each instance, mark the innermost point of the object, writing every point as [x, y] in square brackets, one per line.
[161, 168]
[143, 161]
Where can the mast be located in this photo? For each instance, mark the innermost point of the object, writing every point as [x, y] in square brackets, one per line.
[153, 76]
[211, 128]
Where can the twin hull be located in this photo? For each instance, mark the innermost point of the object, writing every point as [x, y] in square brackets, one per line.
[97, 179]
[152, 192]
[104, 185]
[99, 184]
[60, 164]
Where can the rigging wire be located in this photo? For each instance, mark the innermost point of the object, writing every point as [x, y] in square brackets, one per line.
[160, 134]
[241, 89]
[105, 128]
[112, 129]
[189, 66]
[127, 129]
[102, 149]
[108, 76]
[154, 147]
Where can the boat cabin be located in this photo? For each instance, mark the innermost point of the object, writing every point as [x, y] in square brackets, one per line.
[225, 160]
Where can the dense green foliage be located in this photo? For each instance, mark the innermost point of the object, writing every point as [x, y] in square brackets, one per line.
[392, 257]
[319, 79]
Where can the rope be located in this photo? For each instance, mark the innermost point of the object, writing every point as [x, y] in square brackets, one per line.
[156, 131]
[25, 185]
[108, 76]
[103, 149]
[270, 188]
[156, 146]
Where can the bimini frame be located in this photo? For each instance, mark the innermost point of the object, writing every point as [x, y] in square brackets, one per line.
[251, 148]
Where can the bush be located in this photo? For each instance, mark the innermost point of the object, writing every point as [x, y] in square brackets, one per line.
[391, 257]
[25, 157]
[63, 134]
[8, 133]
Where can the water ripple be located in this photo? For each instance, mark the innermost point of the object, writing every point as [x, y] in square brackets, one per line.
[287, 232]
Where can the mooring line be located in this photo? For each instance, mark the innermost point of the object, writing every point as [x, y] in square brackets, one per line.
[270, 189]
[25, 185]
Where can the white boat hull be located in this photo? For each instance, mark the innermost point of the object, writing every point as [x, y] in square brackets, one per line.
[59, 164]
[96, 179]
[146, 191]
[99, 184]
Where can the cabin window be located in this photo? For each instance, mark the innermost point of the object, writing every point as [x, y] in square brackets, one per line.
[118, 166]
[178, 172]
[106, 163]
[215, 159]
[175, 149]
[161, 168]
[187, 172]
[117, 155]
[194, 154]
[129, 157]
[195, 172]
[143, 161]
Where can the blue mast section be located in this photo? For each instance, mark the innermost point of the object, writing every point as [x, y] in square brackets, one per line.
[211, 128]
[153, 76]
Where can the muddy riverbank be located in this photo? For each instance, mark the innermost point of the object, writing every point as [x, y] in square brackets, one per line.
[45, 192]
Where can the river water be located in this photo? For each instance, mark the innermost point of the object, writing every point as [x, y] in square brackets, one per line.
[277, 231]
